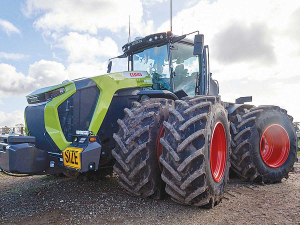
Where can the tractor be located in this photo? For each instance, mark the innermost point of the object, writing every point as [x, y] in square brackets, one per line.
[160, 126]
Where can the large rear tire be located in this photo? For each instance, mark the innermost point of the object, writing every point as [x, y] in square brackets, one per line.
[195, 157]
[136, 147]
[264, 144]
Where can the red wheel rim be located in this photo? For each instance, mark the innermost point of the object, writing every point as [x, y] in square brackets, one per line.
[159, 146]
[218, 152]
[274, 146]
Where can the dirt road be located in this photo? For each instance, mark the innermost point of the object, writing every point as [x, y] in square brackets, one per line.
[49, 200]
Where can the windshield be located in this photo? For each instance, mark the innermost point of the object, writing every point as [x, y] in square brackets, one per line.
[155, 62]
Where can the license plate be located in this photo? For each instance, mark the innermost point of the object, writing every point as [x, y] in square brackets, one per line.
[71, 157]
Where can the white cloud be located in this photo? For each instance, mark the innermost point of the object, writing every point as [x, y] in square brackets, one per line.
[40, 74]
[83, 47]
[86, 16]
[13, 56]
[243, 59]
[8, 27]
[46, 73]
[283, 93]
[210, 19]
[13, 82]
[11, 119]
[78, 70]
[149, 3]
[238, 43]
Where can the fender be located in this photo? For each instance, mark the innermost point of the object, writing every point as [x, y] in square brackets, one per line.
[158, 94]
[232, 107]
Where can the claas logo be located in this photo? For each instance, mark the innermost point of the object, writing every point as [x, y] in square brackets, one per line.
[136, 74]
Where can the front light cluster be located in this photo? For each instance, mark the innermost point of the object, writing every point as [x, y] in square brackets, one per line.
[52, 94]
[43, 97]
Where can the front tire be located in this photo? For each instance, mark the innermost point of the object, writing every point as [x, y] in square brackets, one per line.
[196, 151]
[136, 147]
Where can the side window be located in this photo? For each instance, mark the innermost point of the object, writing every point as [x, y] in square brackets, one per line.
[186, 68]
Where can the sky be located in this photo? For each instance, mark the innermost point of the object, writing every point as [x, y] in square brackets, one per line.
[254, 45]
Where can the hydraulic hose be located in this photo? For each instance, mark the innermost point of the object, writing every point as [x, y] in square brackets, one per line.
[14, 175]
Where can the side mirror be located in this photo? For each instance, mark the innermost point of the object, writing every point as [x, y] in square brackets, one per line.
[198, 44]
[109, 66]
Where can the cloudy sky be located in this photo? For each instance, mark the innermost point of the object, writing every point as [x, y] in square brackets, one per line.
[254, 45]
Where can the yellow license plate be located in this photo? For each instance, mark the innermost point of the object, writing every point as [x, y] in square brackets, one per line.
[71, 157]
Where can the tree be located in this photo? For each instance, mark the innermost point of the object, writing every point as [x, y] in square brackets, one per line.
[20, 128]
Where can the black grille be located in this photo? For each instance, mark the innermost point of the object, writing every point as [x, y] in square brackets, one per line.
[76, 112]
[65, 113]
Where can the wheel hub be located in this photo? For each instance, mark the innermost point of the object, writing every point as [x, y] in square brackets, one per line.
[218, 152]
[274, 146]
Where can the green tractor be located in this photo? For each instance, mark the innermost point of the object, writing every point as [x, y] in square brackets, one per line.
[161, 126]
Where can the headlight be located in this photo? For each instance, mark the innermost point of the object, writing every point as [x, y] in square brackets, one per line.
[52, 94]
[43, 97]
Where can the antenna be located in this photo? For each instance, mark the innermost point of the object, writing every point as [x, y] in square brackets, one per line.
[129, 38]
[171, 14]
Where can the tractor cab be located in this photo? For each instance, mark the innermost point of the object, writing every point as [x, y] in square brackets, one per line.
[174, 63]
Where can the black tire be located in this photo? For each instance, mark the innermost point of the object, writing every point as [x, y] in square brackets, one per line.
[71, 174]
[186, 154]
[136, 147]
[247, 128]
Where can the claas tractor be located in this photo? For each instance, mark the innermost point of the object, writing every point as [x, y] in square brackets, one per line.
[160, 126]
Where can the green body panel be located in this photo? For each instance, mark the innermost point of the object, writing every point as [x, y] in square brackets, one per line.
[51, 118]
[108, 85]
[26, 128]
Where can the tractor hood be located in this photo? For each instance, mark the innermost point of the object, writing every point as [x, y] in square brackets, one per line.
[50, 92]
[54, 113]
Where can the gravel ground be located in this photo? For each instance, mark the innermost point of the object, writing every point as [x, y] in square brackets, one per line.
[51, 200]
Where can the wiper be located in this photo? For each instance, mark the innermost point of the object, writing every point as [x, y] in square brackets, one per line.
[178, 38]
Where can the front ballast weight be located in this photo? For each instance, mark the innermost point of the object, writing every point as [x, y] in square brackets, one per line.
[18, 154]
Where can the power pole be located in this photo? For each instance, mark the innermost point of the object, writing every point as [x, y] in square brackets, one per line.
[171, 14]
